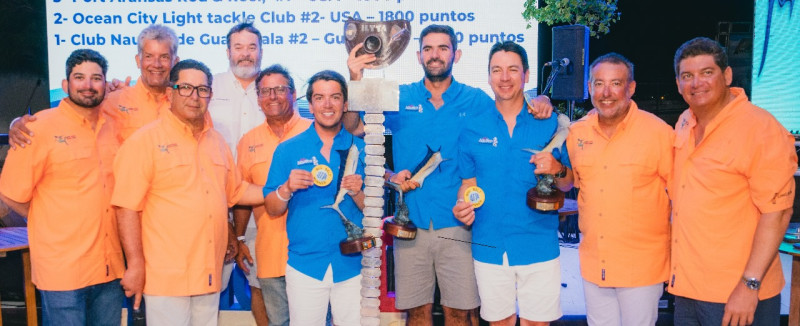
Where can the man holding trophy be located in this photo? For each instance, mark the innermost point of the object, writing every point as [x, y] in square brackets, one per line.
[515, 248]
[301, 180]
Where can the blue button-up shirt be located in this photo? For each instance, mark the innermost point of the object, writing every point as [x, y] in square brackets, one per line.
[505, 224]
[315, 232]
[419, 126]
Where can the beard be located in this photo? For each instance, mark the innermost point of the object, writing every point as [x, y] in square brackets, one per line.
[246, 72]
[87, 102]
[437, 76]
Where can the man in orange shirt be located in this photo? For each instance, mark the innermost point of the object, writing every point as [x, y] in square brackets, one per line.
[276, 97]
[130, 107]
[176, 180]
[732, 194]
[63, 184]
[622, 160]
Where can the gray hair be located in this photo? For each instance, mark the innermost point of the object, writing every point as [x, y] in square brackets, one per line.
[159, 33]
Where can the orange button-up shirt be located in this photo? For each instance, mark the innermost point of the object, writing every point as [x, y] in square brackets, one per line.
[133, 107]
[183, 186]
[66, 176]
[742, 168]
[255, 151]
[623, 202]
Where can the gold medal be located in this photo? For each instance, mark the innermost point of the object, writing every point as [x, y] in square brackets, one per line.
[323, 175]
[475, 196]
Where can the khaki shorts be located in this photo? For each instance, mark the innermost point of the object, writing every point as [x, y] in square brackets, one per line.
[434, 256]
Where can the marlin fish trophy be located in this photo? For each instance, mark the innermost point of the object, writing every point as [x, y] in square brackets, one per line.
[544, 196]
[356, 240]
[387, 41]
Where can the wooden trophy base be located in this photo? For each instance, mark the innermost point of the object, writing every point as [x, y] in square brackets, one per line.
[551, 202]
[406, 232]
[349, 247]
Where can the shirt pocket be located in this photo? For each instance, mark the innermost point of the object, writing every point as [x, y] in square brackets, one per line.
[637, 166]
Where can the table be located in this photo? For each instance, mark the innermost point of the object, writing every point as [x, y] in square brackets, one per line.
[13, 239]
[794, 296]
[570, 208]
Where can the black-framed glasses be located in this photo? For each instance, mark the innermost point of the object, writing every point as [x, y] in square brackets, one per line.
[186, 90]
[279, 90]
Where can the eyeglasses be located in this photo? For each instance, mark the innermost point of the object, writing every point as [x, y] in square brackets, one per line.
[279, 90]
[186, 90]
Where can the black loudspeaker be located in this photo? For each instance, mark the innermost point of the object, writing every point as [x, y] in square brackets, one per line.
[571, 42]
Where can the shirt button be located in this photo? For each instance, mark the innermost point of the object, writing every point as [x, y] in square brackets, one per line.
[601, 237]
[599, 214]
[601, 190]
[605, 167]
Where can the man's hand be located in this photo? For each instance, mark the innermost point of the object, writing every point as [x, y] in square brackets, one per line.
[117, 85]
[133, 283]
[299, 179]
[545, 163]
[356, 64]
[233, 245]
[352, 183]
[464, 212]
[403, 178]
[741, 306]
[540, 107]
[242, 256]
[18, 133]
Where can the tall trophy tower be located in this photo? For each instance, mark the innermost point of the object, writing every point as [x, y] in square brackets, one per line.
[386, 40]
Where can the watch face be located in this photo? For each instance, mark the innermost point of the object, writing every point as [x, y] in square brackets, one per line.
[752, 284]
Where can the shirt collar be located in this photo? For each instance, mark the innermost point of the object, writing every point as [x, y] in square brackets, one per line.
[142, 92]
[173, 121]
[449, 94]
[69, 109]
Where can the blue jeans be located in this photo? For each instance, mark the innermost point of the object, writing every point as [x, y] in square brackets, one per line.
[692, 312]
[273, 289]
[99, 304]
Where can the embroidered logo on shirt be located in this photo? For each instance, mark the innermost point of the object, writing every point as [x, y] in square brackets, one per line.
[582, 142]
[487, 140]
[303, 161]
[165, 148]
[252, 148]
[684, 122]
[778, 195]
[127, 109]
[462, 114]
[64, 139]
[417, 107]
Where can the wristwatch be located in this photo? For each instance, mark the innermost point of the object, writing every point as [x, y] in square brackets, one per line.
[561, 173]
[240, 238]
[751, 282]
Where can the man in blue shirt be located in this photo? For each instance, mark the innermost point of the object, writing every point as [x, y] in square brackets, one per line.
[317, 273]
[431, 115]
[514, 247]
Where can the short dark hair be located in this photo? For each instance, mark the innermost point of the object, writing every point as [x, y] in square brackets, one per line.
[509, 46]
[246, 26]
[614, 58]
[700, 46]
[326, 75]
[80, 56]
[275, 69]
[188, 64]
[443, 29]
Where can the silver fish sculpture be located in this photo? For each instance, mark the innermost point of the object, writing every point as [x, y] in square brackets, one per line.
[559, 137]
[401, 213]
[427, 166]
[348, 167]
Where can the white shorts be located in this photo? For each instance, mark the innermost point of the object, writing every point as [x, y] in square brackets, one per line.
[622, 305]
[196, 310]
[308, 299]
[535, 289]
